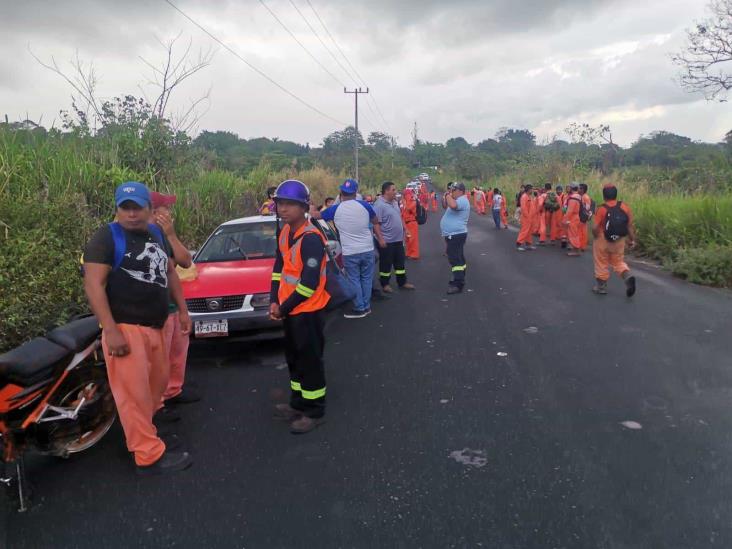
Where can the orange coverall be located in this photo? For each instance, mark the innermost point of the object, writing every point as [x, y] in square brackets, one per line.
[609, 255]
[558, 231]
[572, 222]
[504, 212]
[584, 229]
[527, 208]
[480, 202]
[409, 216]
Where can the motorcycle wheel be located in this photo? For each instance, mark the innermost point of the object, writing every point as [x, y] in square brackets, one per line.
[95, 417]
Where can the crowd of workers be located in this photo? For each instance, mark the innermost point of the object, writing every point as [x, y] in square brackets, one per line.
[132, 284]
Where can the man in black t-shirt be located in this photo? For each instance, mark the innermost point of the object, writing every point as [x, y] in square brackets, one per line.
[129, 280]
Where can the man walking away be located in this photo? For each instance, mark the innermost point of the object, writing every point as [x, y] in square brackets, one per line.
[572, 220]
[525, 240]
[612, 227]
[586, 215]
[127, 279]
[454, 227]
[497, 208]
[176, 342]
[393, 230]
[298, 298]
[354, 220]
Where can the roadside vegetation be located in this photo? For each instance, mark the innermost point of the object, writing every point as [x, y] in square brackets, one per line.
[56, 188]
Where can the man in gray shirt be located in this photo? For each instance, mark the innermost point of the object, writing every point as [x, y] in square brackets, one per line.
[392, 228]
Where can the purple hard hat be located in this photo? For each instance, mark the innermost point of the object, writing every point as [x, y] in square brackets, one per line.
[294, 190]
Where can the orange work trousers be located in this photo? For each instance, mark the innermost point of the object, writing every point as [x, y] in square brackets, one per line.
[524, 236]
[504, 216]
[573, 233]
[176, 349]
[138, 381]
[412, 239]
[480, 206]
[434, 204]
[584, 236]
[559, 231]
[607, 256]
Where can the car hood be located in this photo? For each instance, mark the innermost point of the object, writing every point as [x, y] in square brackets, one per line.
[230, 278]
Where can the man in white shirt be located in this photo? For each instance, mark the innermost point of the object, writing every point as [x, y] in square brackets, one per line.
[496, 209]
[357, 224]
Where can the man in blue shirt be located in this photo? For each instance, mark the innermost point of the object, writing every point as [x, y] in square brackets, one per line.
[454, 227]
[355, 219]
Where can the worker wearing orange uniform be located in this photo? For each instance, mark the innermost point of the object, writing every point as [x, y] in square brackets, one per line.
[587, 204]
[557, 229]
[613, 225]
[409, 216]
[433, 201]
[525, 240]
[504, 210]
[572, 221]
[479, 201]
[541, 216]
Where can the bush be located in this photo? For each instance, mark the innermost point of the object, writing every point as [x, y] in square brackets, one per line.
[711, 265]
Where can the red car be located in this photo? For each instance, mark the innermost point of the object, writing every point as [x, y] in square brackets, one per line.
[230, 295]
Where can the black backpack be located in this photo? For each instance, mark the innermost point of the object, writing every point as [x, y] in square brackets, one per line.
[616, 222]
[421, 214]
[584, 214]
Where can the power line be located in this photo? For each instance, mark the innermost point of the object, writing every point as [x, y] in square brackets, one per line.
[344, 69]
[255, 69]
[273, 14]
[347, 61]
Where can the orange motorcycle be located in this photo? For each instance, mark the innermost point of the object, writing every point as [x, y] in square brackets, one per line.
[54, 398]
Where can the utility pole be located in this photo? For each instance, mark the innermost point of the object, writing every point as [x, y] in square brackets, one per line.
[356, 92]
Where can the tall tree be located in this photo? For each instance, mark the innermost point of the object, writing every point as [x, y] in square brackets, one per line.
[705, 59]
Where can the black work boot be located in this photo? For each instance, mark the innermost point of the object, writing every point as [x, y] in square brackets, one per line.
[169, 462]
[629, 284]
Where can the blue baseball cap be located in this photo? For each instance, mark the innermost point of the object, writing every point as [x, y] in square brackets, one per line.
[350, 186]
[133, 191]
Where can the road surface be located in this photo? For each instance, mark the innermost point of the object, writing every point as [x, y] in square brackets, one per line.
[493, 419]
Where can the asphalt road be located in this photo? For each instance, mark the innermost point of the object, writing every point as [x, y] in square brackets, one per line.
[433, 438]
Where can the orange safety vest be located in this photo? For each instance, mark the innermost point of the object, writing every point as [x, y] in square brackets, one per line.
[292, 267]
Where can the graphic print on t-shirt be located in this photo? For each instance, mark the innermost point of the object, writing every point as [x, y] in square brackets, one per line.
[157, 268]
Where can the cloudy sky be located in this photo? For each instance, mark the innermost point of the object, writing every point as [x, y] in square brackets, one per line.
[457, 68]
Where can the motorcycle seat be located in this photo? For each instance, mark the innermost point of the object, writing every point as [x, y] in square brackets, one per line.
[77, 335]
[32, 362]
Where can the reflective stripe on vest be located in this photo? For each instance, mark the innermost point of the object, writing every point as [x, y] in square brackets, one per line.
[290, 281]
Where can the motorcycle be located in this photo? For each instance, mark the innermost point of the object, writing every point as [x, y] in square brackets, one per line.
[55, 398]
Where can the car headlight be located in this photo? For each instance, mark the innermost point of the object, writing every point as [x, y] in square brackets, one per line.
[260, 301]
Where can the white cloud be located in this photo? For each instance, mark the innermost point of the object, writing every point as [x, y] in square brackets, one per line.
[460, 68]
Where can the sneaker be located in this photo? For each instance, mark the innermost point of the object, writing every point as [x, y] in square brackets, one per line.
[520, 249]
[600, 289]
[355, 313]
[573, 254]
[407, 286]
[305, 424]
[286, 412]
[169, 462]
[630, 286]
[532, 247]
[454, 290]
[387, 289]
[166, 415]
[186, 396]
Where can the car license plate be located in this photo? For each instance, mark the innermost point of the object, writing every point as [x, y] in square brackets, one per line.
[212, 328]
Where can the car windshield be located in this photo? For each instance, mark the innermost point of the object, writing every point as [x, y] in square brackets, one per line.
[240, 242]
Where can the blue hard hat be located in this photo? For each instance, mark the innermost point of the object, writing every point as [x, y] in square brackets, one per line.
[294, 190]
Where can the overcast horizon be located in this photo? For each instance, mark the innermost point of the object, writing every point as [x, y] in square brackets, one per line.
[459, 69]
